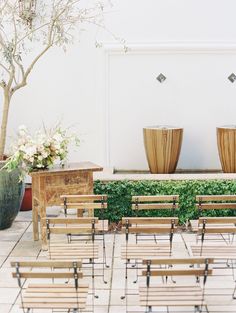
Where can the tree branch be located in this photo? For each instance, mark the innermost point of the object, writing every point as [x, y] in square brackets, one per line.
[5, 68]
[25, 77]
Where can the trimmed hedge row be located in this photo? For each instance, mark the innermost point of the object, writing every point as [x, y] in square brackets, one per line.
[120, 193]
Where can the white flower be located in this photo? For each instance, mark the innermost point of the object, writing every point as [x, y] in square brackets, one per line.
[58, 137]
[23, 128]
[22, 131]
[45, 154]
[40, 148]
[57, 146]
[30, 150]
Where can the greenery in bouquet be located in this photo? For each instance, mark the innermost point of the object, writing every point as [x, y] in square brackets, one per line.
[41, 150]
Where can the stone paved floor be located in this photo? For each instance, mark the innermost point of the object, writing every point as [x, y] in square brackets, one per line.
[16, 244]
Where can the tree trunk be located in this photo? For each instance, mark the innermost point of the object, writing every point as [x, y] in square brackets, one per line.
[3, 131]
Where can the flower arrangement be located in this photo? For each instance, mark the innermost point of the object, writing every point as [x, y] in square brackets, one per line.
[40, 151]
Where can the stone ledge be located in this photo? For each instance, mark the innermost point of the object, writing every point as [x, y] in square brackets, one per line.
[106, 176]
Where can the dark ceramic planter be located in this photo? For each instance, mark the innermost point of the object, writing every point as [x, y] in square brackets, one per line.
[11, 194]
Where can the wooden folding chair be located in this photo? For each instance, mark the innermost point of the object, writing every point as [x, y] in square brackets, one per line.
[214, 204]
[63, 295]
[224, 251]
[86, 251]
[163, 204]
[139, 251]
[86, 204]
[158, 202]
[178, 294]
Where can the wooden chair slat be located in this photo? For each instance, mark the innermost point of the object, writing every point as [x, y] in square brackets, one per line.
[54, 305]
[155, 198]
[172, 272]
[54, 299]
[218, 220]
[217, 230]
[217, 206]
[52, 289]
[60, 294]
[55, 285]
[216, 198]
[141, 251]
[168, 261]
[77, 205]
[65, 220]
[85, 197]
[171, 296]
[154, 206]
[47, 263]
[172, 288]
[70, 230]
[149, 220]
[47, 275]
[150, 230]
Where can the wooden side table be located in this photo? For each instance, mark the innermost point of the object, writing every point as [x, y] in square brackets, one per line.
[48, 185]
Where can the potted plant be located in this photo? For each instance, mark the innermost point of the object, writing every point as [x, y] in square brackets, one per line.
[28, 30]
[37, 152]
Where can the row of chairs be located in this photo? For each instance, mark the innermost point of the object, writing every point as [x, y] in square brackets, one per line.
[72, 254]
[81, 250]
[157, 202]
[156, 253]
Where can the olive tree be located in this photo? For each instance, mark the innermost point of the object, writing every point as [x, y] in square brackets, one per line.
[28, 29]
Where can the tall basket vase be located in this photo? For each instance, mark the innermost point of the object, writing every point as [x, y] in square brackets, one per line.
[162, 146]
[226, 141]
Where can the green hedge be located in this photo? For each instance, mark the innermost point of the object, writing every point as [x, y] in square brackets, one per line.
[120, 193]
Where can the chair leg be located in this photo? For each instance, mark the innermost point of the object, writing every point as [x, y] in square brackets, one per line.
[196, 309]
[148, 309]
[207, 309]
[126, 282]
[104, 260]
[233, 295]
[104, 251]
[93, 279]
[103, 271]
[136, 265]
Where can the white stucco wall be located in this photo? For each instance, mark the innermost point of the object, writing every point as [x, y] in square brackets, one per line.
[108, 96]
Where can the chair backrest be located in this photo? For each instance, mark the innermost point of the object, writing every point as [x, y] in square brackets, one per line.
[70, 226]
[46, 269]
[84, 202]
[201, 269]
[215, 202]
[160, 202]
[150, 225]
[216, 225]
